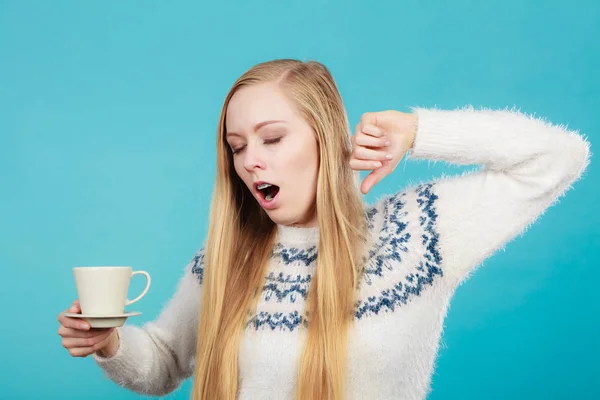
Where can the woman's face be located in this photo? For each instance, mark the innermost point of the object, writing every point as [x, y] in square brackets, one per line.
[275, 153]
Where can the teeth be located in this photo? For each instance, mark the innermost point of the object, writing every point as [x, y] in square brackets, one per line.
[264, 186]
[268, 197]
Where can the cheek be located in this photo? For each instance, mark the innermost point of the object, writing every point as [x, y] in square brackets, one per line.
[238, 166]
[305, 163]
[311, 158]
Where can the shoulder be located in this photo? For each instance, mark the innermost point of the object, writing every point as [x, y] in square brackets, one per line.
[196, 266]
[404, 259]
[416, 204]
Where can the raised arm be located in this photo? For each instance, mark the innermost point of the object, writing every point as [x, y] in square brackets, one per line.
[526, 165]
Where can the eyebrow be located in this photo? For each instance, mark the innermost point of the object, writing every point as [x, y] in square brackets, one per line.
[258, 126]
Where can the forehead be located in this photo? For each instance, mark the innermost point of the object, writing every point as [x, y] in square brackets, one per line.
[256, 103]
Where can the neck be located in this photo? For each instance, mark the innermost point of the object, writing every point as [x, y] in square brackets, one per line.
[298, 234]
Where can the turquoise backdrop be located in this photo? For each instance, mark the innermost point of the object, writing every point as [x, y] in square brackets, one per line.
[108, 112]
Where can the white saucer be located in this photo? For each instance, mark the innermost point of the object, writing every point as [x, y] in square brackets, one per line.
[104, 321]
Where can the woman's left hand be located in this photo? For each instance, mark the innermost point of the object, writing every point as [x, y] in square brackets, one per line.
[379, 142]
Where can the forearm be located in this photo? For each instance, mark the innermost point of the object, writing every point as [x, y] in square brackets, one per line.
[142, 363]
[527, 164]
[500, 140]
[155, 358]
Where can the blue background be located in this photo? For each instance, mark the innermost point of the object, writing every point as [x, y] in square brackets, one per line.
[108, 113]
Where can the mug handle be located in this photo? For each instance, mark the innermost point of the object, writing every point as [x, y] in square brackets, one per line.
[147, 275]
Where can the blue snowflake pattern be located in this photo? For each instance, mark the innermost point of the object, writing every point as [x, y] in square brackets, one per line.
[293, 254]
[415, 282]
[392, 239]
[277, 320]
[198, 265]
[281, 287]
[386, 253]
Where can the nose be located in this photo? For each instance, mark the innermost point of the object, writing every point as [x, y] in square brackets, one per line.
[253, 160]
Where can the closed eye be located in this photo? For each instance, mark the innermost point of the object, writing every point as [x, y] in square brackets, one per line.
[272, 141]
[235, 151]
[268, 141]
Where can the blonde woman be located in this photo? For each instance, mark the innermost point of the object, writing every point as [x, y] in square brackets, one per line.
[301, 291]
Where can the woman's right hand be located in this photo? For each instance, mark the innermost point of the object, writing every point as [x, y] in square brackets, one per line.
[81, 340]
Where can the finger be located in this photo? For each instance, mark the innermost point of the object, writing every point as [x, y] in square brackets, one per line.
[74, 323]
[372, 130]
[368, 118]
[73, 342]
[371, 141]
[363, 153]
[78, 333]
[374, 177]
[377, 175]
[364, 165]
[80, 351]
[87, 350]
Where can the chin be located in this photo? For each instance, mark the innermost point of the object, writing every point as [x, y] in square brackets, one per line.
[279, 219]
[287, 220]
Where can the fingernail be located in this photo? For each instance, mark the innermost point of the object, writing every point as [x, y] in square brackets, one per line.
[387, 143]
[83, 327]
[388, 156]
[377, 164]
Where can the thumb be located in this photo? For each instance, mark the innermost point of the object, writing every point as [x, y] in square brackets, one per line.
[374, 177]
[368, 118]
[75, 307]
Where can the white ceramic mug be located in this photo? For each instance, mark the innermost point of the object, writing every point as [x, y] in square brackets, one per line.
[102, 290]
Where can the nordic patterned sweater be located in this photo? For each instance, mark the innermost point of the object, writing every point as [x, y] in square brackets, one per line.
[427, 240]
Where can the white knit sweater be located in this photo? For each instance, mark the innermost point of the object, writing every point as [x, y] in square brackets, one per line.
[427, 239]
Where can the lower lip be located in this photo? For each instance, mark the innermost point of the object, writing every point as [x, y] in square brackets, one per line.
[268, 205]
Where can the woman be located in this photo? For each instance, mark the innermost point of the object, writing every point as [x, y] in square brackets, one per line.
[363, 319]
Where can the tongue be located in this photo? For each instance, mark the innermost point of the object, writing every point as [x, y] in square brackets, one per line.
[272, 191]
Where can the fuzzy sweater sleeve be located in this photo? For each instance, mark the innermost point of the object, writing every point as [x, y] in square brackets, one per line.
[154, 359]
[526, 165]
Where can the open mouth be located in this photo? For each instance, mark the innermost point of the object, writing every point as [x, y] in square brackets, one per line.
[267, 191]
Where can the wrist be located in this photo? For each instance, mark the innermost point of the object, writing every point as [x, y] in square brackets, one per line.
[111, 347]
[412, 131]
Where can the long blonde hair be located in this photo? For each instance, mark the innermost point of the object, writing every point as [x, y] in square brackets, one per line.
[241, 236]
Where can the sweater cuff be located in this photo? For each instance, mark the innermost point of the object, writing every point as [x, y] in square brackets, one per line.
[441, 135]
[119, 361]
